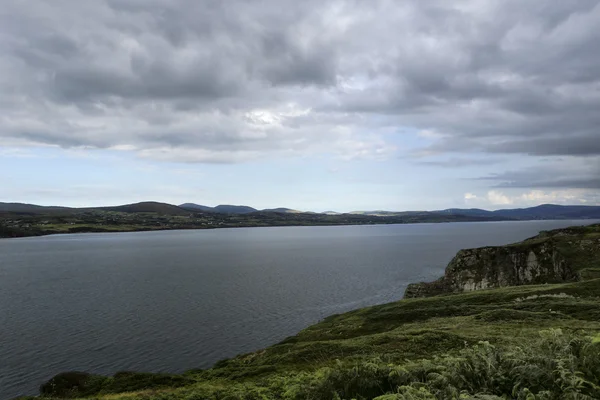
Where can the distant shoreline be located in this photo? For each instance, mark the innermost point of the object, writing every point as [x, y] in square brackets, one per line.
[145, 218]
[101, 230]
[26, 220]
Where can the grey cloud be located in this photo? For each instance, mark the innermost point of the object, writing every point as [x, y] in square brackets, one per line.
[553, 183]
[241, 79]
[64, 141]
[545, 182]
[566, 145]
[529, 75]
[552, 174]
[179, 49]
[454, 162]
[581, 142]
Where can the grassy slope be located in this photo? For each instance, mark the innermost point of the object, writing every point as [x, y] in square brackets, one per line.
[583, 257]
[330, 355]
[565, 254]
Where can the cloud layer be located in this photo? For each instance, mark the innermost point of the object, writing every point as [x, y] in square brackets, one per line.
[226, 82]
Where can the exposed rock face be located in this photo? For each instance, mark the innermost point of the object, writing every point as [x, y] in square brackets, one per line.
[552, 257]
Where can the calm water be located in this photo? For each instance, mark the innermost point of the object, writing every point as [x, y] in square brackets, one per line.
[176, 300]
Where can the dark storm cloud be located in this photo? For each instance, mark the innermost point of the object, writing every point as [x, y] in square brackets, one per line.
[233, 80]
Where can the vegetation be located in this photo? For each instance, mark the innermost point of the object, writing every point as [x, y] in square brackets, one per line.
[71, 384]
[129, 219]
[526, 342]
[18, 219]
[531, 342]
[560, 255]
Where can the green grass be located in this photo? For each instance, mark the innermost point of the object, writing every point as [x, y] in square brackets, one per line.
[590, 273]
[527, 342]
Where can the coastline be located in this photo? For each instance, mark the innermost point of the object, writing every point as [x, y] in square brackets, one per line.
[84, 230]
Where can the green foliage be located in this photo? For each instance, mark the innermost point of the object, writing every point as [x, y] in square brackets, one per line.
[131, 381]
[72, 384]
[503, 314]
[524, 343]
[81, 384]
[590, 273]
[156, 216]
[552, 367]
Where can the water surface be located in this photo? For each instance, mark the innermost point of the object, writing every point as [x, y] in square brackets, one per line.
[175, 300]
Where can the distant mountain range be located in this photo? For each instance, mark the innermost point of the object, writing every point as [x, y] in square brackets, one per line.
[222, 208]
[143, 207]
[21, 220]
[545, 211]
[231, 209]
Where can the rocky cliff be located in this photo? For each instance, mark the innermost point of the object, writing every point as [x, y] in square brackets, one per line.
[555, 256]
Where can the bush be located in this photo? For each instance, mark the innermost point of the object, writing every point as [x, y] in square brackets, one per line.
[81, 384]
[132, 381]
[557, 366]
[553, 366]
[72, 384]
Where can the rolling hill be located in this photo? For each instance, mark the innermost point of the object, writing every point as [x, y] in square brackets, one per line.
[544, 211]
[232, 209]
[22, 208]
[221, 208]
[197, 207]
[282, 210]
[147, 207]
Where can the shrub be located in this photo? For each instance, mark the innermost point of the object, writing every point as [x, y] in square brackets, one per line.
[72, 384]
[81, 384]
[131, 381]
[556, 366]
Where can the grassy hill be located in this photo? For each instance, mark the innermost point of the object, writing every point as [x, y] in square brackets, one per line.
[148, 216]
[527, 342]
[142, 207]
[196, 207]
[555, 256]
[147, 207]
[221, 208]
[538, 342]
[32, 209]
[543, 211]
[282, 210]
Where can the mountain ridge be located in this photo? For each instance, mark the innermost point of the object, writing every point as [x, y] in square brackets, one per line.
[542, 211]
[221, 208]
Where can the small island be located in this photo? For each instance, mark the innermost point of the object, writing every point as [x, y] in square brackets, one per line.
[512, 322]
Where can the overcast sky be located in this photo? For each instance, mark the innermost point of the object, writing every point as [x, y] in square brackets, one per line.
[313, 104]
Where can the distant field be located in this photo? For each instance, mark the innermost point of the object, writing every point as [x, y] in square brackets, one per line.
[117, 220]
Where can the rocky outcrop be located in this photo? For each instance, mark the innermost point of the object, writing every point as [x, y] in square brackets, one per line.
[551, 257]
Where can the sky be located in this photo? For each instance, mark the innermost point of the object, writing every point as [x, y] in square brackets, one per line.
[313, 105]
